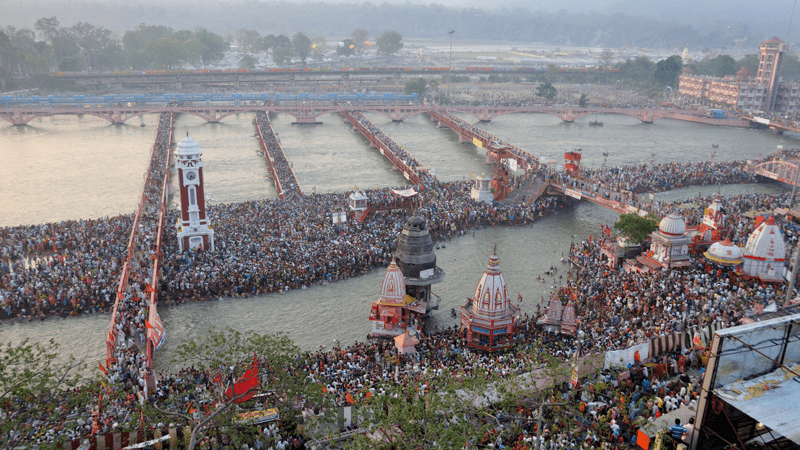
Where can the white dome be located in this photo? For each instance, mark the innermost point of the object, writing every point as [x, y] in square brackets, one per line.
[491, 295]
[673, 224]
[766, 242]
[393, 288]
[725, 253]
[188, 146]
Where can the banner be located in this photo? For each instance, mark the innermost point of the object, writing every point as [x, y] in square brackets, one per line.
[477, 142]
[573, 193]
[621, 358]
[249, 380]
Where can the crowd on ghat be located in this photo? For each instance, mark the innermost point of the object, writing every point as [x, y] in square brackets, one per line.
[283, 168]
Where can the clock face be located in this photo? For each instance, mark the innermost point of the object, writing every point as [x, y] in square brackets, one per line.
[191, 176]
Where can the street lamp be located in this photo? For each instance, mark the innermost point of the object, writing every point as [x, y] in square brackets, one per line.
[450, 70]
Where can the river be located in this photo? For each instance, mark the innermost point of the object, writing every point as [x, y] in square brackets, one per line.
[69, 167]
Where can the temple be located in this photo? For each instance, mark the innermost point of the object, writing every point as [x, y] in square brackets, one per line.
[489, 316]
[765, 254]
[395, 312]
[417, 261]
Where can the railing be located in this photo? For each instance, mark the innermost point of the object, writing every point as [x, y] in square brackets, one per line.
[276, 156]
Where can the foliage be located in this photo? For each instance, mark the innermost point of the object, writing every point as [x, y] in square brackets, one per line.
[319, 45]
[668, 70]
[214, 46]
[248, 62]
[229, 353]
[635, 227]
[417, 86]
[605, 59]
[583, 100]
[69, 64]
[720, 66]
[302, 46]
[282, 50]
[31, 381]
[343, 48]
[247, 39]
[390, 42]
[546, 90]
[264, 43]
[360, 37]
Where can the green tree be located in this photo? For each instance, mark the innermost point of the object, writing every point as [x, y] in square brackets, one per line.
[248, 62]
[639, 69]
[390, 42]
[31, 383]
[167, 52]
[635, 227]
[417, 86]
[69, 64]
[346, 48]
[247, 39]
[668, 70]
[264, 43]
[360, 38]
[319, 46]
[214, 46]
[606, 59]
[302, 46]
[282, 50]
[749, 61]
[281, 376]
[584, 100]
[790, 67]
[546, 90]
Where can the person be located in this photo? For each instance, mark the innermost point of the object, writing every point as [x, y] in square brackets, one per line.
[676, 431]
[687, 435]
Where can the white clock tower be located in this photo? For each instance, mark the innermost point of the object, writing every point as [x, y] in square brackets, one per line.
[194, 232]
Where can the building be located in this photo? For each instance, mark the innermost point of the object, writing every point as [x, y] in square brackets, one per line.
[194, 231]
[765, 253]
[417, 261]
[489, 316]
[763, 92]
[670, 243]
[482, 190]
[395, 312]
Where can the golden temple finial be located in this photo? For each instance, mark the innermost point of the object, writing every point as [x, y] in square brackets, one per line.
[186, 127]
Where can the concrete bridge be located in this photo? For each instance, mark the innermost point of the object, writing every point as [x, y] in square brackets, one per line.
[308, 111]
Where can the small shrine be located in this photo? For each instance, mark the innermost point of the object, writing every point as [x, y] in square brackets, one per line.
[359, 204]
[552, 321]
[725, 254]
[572, 160]
[713, 228]
[395, 312]
[482, 190]
[569, 321]
[489, 316]
[405, 343]
[765, 254]
[670, 244]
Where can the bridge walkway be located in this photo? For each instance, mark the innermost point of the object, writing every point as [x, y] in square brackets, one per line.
[280, 169]
[412, 170]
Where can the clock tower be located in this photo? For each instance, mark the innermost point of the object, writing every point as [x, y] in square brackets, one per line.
[194, 231]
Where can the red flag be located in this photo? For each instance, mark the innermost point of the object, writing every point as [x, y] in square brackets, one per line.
[369, 395]
[249, 380]
[148, 288]
[102, 368]
[350, 398]
[147, 324]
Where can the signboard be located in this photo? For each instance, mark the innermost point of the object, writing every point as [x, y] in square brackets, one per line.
[260, 416]
[477, 142]
[573, 193]
[760, 120]
[512, 164]
[573, 380]
[427, 273]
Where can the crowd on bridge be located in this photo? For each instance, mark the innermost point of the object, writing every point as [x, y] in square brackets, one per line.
[289, 188]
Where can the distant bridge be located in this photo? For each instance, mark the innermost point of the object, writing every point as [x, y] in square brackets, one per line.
[784, 171]
[308, 110]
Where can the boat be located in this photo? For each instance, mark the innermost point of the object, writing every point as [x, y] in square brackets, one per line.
[142, 124]
[595, 123]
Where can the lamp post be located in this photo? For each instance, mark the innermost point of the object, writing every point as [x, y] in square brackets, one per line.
[450, 70]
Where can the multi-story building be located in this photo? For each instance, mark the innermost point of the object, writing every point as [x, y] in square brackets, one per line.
[764, 92]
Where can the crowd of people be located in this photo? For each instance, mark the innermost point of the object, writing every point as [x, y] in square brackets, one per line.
[289, 188]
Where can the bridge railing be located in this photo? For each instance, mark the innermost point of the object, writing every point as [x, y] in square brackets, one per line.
[387, 147]
[281, 170]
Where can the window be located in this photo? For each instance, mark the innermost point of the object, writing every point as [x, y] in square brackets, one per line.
[192, 196]
[769, 58]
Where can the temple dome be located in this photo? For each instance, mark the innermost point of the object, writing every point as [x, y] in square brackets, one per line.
[188, 146]
[393, 288]
[673, 224]
[724, 253]
[491, 295]
[766, 242]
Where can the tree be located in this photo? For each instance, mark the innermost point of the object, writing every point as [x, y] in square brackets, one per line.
[668, 70]
[417, 86]
[606, 58]
[360, 39]
[389, 43]
[749, 61]
[346, 48]
[546, 90]
[319, 46]
[167, 52]
[248, 62]
[264, 43]
[584, 100]
[280, 375]
[302, 46]
[635, 227]
[214, 46]
[282, 50]
[69, 64]
[246, 38]
[31, 381]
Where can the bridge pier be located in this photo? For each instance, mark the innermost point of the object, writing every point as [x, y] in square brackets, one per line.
[462, 139]
[306, 120]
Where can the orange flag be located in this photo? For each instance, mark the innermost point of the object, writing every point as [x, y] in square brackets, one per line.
[350, 398]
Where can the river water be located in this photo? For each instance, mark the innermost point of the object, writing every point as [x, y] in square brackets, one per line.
[69, 167]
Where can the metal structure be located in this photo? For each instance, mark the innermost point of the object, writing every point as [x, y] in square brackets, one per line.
[779, 170]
